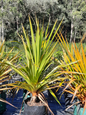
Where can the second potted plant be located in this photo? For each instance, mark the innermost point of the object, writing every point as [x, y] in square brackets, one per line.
[76, 74]
[5, 69]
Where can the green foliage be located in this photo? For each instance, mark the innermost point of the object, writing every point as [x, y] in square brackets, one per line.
[17, 47]
[39, 59]
[74, 10]
[16, 12]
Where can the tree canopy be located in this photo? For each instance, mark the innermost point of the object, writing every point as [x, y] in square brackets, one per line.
[15, 12]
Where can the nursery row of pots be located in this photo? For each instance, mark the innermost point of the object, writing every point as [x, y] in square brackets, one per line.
[37, 72]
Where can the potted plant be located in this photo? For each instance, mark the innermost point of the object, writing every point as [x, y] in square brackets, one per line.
[35, 71]
[4, 74]
[76, 74]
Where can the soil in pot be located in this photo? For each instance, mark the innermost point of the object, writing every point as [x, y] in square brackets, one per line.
[36, 108]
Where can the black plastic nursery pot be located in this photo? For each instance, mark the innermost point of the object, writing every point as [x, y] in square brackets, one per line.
[34, 110]
[2, 104]
[37, 108]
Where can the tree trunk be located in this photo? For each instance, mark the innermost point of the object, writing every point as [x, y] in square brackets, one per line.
[75, 35]
[2, 30]
[72, 23]
[72, 27]
[71, 34]
[17, 21]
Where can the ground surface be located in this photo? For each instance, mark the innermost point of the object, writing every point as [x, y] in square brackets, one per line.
[55, 107]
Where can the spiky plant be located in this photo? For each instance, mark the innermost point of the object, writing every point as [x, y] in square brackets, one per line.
[35, 70]
[5, 69]
[76, 71]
